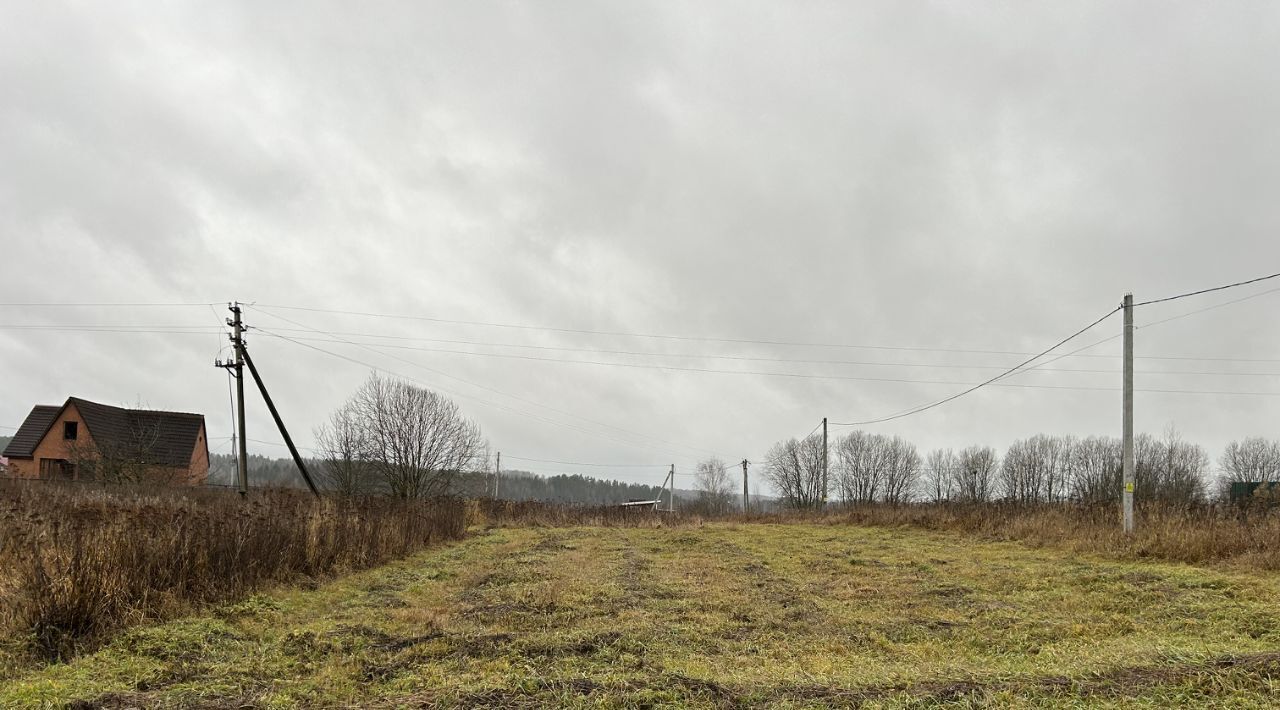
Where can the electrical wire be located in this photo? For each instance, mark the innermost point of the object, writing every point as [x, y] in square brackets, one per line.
[637, 435]
[85, 329]
[381, 346]
[801, 375]
[658, 336]
[581, 463]
[1207, 290]
[1210, 308]
[473, 398]
[987, 382]
[106, 305]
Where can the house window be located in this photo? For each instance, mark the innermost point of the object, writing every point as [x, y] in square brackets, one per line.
[70, 430]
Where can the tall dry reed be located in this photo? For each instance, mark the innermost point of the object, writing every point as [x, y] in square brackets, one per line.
[79, 561]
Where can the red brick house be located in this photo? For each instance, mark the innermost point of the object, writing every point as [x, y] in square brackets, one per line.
[83, 440]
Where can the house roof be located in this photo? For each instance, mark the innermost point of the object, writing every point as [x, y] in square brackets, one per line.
[162, 438]
[32, 431]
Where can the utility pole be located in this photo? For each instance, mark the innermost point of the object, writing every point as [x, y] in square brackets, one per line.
[824, 463]
[746, 498]
[1127, 452]
[671, 492]
[236, 369]
[497, 473]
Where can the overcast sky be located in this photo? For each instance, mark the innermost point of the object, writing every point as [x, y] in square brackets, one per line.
[959, 176]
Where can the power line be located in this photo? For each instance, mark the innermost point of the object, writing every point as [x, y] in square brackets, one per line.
[106, 305]
[987, 382]
[473, 398]
[582, 463]
[455, 341]
[189, 330]
[658, 336]
[792, 375]
[641, 437]
[1210, 308]
[121, 326]
[515, 356]
[643, 353]
[1075, 353]
[1207, 290]
[282, 445]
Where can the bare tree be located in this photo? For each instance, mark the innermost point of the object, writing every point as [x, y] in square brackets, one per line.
[902, 469]
[1169, 469]
[405, 441]
[859, 467]
[976, 476]
[1254, 459]
[341, 442]
[714, 486]
[794, 467]
[875, 467]
[130, 455]
[942, 474]
[1096, 475]
[1036, 469]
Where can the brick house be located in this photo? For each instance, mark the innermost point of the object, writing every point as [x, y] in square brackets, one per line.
[83, 440]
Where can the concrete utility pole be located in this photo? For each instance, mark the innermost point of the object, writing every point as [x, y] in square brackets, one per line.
[746, 498]
[671, 492]
[824, 463]
[497, 473]
[1127, 453]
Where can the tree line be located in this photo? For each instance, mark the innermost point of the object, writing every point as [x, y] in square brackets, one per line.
[862, 467]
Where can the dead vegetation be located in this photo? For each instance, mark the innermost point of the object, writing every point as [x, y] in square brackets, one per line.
[79, 561]
[726, 615]
[507, 513]
[1244, 535]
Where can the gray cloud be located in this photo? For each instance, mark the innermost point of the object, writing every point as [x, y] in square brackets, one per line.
[978, 176]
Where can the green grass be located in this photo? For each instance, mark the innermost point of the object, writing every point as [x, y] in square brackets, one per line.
[720, 616]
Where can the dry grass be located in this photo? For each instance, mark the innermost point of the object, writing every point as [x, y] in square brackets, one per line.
[725, 615]
[487, 512]
[1243, 536]
[77, 562]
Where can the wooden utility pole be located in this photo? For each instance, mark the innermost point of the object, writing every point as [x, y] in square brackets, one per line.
[236, 368]
[824, 463]
[1127, 426]
[497, 473]
[746, 498]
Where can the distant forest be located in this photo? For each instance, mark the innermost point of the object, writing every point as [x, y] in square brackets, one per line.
[4, 441]
[513, 485]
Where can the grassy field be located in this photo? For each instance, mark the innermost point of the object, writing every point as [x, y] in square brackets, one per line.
[725, 615]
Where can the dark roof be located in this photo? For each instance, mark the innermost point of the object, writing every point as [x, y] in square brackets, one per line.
[165, 438]
[31, 432]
